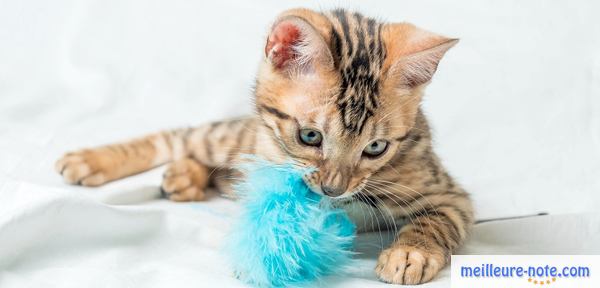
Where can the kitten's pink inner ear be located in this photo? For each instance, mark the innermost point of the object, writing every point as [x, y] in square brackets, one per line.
[281, 42]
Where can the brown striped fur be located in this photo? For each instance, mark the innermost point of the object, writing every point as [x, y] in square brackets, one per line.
[353, 79]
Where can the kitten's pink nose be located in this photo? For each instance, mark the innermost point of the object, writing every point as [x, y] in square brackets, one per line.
[332, 191]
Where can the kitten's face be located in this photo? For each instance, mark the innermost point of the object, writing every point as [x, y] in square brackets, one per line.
[313, 132]
[344, 114]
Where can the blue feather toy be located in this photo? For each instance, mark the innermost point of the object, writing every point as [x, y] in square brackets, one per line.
[287, 235]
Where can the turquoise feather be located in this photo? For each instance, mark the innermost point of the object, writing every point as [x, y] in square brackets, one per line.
[287, 235]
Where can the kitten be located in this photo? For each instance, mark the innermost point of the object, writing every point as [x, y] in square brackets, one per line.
[339, 92]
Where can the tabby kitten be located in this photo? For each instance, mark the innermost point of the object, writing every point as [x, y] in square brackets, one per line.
[339, 92]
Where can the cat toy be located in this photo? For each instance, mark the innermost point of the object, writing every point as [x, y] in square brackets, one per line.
[286, 235]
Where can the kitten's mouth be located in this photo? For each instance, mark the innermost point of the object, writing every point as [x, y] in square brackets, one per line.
[350, 196]
[315, 189]
[347, 195]
[344, 197]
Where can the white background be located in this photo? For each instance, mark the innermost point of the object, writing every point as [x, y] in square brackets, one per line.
[515, 106]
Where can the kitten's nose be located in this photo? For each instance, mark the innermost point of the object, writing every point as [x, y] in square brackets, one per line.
[332, 191]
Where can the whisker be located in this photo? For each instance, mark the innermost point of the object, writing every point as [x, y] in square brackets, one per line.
[373, 216]
[389, 194]
[383, 182]
[393, 218]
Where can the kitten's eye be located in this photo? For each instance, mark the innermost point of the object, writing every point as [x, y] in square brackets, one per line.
[310, 137]
[375, 148]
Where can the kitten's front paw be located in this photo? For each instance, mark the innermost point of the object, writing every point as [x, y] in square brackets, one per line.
[85, 167]
[185, 180]
[408, 265]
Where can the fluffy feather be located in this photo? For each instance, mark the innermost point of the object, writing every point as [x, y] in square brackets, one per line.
[286, 235]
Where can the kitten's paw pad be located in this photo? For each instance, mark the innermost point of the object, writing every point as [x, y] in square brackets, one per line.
[82, 168]
[408, 265]
[185, 180]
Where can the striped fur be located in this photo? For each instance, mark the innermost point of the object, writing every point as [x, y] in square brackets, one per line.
[355, 80]
[359, 52]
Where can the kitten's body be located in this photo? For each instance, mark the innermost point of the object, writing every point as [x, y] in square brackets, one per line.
[352, 80]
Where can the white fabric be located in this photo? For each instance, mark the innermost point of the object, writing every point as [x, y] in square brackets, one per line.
[52, 237]
[514, 107]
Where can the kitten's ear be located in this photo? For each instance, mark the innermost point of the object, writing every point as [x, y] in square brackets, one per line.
[413, 53]
[296, 45]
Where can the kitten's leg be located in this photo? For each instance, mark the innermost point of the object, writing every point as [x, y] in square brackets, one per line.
[423, 247]
[214, 149]
[185, 180]
[96, 166]
[196, 152]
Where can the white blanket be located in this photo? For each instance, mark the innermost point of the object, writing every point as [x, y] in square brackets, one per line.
[52, 237]
[514, 107]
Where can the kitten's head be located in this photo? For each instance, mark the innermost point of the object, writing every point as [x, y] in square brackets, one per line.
[341, 91]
